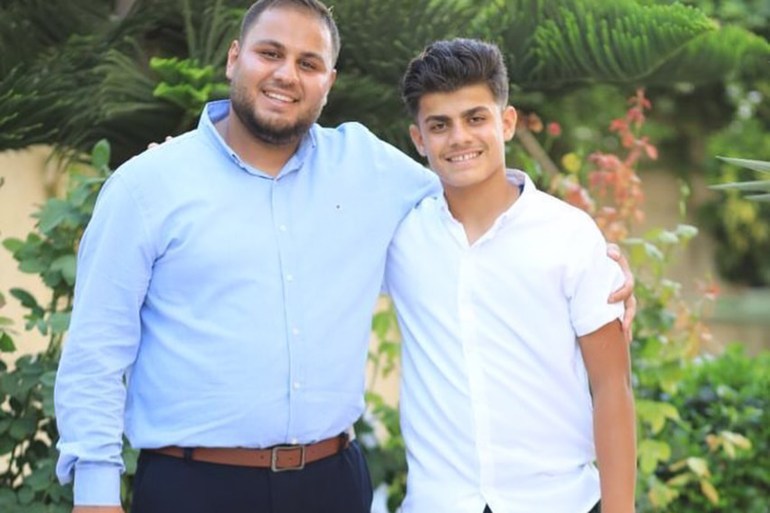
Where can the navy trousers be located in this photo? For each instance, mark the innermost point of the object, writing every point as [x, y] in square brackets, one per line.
[337, 484]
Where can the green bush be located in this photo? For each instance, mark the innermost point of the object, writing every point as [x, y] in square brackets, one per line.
[724, 405]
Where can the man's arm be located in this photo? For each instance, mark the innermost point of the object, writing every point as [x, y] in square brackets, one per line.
[608, 364]
[114, 264]
[625, 293]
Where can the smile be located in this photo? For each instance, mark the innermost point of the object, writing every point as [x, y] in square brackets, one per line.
[279, 97]
[464, 157]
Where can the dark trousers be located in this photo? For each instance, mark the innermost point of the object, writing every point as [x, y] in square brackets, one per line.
[337, 484]
[595, 509]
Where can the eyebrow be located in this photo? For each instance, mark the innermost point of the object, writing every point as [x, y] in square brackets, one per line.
[281, 46]
[442, 118]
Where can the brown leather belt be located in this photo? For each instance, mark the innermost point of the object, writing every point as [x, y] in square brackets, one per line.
[277, 458]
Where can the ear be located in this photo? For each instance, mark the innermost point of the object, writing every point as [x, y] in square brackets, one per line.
[232, 57]
[332, 79]
[509, 122]
[414, 133]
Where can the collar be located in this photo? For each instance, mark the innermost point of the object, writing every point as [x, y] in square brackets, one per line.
[216, 111]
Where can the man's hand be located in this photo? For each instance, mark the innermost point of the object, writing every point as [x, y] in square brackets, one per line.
[624, 293]
[97, 509]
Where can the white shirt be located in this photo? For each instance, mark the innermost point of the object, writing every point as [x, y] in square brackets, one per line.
[495, 403]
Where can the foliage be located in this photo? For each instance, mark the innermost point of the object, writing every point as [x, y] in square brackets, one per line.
[97, 69]
[725, 413]
[760, 189]
[740, 226]
[97, 82]
[27, 424]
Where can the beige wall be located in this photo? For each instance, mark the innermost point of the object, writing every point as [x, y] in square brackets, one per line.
[27, 177]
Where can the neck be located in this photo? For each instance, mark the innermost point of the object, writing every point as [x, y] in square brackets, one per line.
[477, 207]
[259, 154]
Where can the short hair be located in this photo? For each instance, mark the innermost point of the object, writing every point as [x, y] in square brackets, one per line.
[314, 6]
[448, 65]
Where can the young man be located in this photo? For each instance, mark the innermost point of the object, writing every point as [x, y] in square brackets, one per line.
[515, 374]
[224, 295]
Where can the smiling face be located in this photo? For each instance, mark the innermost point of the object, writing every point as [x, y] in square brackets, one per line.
[280, 74]
[463, 134]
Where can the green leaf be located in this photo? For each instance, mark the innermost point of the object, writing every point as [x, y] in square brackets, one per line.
[23, 429]
[13, 244]
[756, 165]
[6, 343]
[59, 322]
[652, 452]
[65, 264]
[27, 299]
[54, 212]
[100, 155]
[656, 413]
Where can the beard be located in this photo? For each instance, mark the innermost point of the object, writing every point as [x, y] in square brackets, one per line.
[274, 133]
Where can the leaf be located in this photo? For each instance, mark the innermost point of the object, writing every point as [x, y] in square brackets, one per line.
[100, 155]
[656, 413]
[59, 322]
[699, 466]
[13, 244]
[27, 299]
[54, 212]
[651, 452]
[756, 165]
[736, 439]
[709, 491]
[65, 264]
[23, 429]
[6, 343]
[686, 231]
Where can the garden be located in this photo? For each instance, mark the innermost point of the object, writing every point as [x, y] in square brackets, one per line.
[607, 92]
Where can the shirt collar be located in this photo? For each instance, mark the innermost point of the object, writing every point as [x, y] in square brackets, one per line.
[216, 111]
[514, 176]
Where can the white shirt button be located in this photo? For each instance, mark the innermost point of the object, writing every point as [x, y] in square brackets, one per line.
[295, 331]
[282, 227]
[296, 385]
[289, 277]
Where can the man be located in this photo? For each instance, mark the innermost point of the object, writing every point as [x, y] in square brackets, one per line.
[224, 295]
[500, 291]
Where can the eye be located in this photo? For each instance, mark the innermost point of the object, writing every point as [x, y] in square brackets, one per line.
[308, 65]
[436, 127]
[477, 119]
[269, 54]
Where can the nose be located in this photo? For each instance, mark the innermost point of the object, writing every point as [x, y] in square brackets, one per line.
[459, 134]
[286, 72]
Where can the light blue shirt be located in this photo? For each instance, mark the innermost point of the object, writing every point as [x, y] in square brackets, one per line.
[234, 305]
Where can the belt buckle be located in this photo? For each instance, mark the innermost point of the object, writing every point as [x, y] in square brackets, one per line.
[286, 448]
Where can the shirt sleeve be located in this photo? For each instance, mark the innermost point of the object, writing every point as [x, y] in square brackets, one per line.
[592, 277]
[113, 270]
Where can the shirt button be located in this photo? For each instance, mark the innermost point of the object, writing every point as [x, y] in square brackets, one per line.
[295, 331]
[296, 385]
[289, 277]
[294, 441]
[282, 227]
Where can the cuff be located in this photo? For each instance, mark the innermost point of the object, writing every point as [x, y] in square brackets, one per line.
[97, 485]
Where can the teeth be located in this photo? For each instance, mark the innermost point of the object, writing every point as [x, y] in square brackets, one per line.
[279, 97]
[465, 156]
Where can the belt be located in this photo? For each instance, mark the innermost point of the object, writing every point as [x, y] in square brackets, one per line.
[277, 458]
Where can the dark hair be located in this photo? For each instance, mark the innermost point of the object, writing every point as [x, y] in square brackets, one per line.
[314, 6]
[446, 66]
